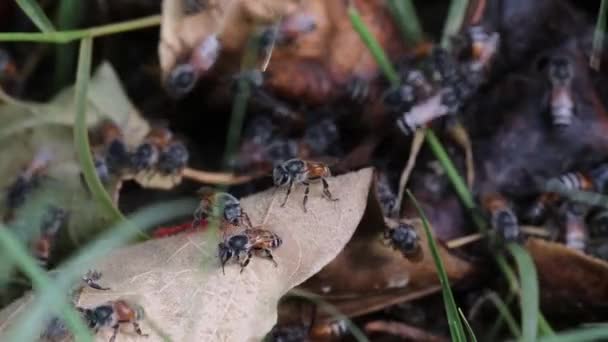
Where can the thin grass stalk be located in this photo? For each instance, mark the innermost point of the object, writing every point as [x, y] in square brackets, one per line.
[73, 35]
[33, 10]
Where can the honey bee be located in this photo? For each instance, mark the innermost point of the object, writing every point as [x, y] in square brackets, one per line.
[110, 149]
[414, 88]
[404, 238]
[185, 75]
[576, 234]
[90, 279]
[297, 171]
[561, 72]
[247, 242]
[569, 181]
[502, 217]
[230, 206]
[8, 70]
[28, 180]
[160, 153]
[53, 220]
[484, 47]
[112, 314]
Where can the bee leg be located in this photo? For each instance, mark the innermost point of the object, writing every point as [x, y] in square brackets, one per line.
[138, 329]
[326, 192]
[266, 253]
[287, 194]
[247, 219]
[246, 262]
[113, 338]
[306, 192]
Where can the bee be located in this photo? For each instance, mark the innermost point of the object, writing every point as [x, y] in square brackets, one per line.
[91, 278]
[502, 217]
[576, 234]
[52, 221]
[160, 153]
[173, 159]
[185, 75]
[28, 180]
[568, 181]
[8, 70]
[560, 73]
[247, 242]
[297, 171]
[484, 47]
[288, 333]
[211, 200]
[404, 238]
[385, 195]
[110, 149]
[414, 88]
[112, 314]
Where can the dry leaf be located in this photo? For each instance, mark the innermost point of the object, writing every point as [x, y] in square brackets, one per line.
[194, 303]
[570, 280]
[324, 60]
[368, 275]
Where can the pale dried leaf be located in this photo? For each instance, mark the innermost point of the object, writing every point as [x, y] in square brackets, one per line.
[180, 284]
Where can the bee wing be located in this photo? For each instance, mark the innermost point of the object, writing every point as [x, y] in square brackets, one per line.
[260, 237]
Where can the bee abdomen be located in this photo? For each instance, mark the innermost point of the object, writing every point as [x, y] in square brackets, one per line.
[575, 181]
[276, 242]
[562, 116]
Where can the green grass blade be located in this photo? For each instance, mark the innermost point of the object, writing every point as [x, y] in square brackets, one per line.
[504, 315]
[454, 21]
[373, 45]
[579, 335]
[598, 36]
[73, 269]
[470, 331]
[404, 13]
[81, 137]
[67, 18]
[36, 14]
[455, 324]
[544, 328]
[529, 297]
[14, 250]
[73, 35]
[358, 335]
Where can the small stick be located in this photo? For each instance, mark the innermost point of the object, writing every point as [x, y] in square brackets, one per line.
[222, 178]
[411, 162]
[463, 241]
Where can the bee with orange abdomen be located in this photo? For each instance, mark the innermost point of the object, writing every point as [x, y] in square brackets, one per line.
[484, 47]
[112, 314]
[53, 220]
[26, 181]
[160, 153]
[222, 204]
[297, 171]
[109, 149]
[259, 241]
[405, 239]
[502, 217]
[569, 181]
[561, 72]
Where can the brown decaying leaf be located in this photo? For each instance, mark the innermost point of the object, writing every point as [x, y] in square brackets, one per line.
[324, 60]
[569, 278]
[191, 302]
[368, 275]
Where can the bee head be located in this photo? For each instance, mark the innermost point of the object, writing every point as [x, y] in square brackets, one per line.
[404, 236]
[181, 80]
[280, 176]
